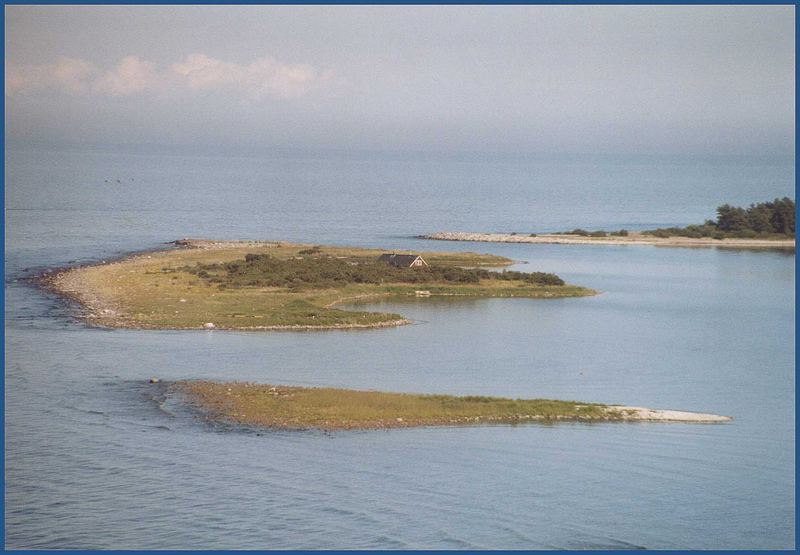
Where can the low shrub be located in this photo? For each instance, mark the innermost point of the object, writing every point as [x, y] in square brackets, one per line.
[263, 270]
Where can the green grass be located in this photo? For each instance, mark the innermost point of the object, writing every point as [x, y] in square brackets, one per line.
[275, 406]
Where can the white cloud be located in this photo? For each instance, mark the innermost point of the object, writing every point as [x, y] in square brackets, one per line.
[66, 74]
[132, 75]
[263, 78]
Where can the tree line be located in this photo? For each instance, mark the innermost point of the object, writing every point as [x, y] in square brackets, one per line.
[765, 219]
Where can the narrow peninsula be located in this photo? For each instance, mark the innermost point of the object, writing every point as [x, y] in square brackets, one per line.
[631, 238]
[263, 285]
[766, 225]
[298, 408]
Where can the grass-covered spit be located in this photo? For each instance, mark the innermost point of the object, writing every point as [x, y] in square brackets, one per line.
[269, 285]
[284, 407]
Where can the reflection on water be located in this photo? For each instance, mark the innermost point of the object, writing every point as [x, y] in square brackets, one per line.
[97, 458]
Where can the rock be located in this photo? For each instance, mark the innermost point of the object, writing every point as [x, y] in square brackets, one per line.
[209, 325]
[154, 380]
[182, 301]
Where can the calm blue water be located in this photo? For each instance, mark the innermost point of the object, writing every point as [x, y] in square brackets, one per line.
[95, 458]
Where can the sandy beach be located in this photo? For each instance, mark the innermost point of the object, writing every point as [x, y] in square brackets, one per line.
[642, 414]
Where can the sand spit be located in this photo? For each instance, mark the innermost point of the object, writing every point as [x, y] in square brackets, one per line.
[642, 414]
[634, 238]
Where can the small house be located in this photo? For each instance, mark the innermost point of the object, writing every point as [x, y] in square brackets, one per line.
[403, 260]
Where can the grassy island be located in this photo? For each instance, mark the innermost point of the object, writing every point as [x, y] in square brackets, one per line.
[285, 407]
[273, 285]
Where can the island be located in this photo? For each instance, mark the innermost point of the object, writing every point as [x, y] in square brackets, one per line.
[301, 408]
[273, 285]
[766, 225]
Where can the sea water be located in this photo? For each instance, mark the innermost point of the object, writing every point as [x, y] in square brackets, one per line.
[95, 457]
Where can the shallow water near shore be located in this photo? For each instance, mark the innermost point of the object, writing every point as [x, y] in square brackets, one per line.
[96, 457]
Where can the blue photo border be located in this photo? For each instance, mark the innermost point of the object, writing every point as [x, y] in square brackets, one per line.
[412, 2]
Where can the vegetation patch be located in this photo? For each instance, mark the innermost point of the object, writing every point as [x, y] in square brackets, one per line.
[324, 271]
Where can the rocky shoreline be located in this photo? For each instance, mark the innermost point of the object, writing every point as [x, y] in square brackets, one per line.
[634, 238]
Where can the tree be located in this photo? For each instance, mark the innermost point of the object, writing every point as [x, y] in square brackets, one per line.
[759, 218]
[783, 216]
[731, 218]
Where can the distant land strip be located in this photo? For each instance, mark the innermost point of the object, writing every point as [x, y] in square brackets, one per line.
[632, 238]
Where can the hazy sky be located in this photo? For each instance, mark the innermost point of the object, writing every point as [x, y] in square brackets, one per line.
[520, 79]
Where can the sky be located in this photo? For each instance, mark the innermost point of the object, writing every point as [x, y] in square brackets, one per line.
[600, 80]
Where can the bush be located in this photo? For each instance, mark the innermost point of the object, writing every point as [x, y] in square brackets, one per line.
[620, 233]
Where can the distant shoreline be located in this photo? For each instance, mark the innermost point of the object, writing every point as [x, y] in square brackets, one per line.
[634, 238]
